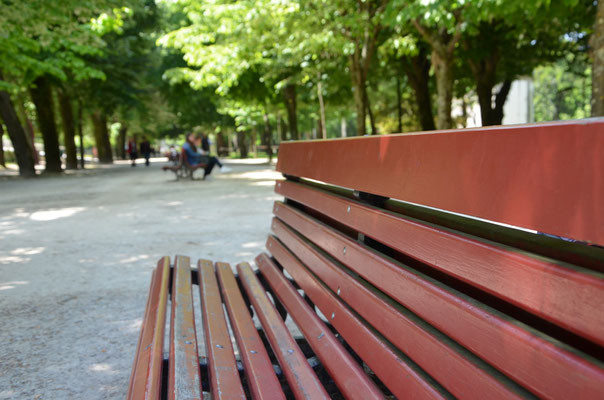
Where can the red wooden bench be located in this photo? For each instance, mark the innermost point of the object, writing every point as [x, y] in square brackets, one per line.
[457, 264]
[183, 169]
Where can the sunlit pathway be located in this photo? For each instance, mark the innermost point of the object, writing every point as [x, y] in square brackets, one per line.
[76, 255]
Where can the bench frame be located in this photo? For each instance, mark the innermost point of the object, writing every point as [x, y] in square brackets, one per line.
[183, 169]
[396, 297]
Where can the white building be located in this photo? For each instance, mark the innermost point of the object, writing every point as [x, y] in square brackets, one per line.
[518, 107]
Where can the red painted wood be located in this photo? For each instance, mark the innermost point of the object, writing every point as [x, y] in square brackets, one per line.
[570, 298]
[402, 380]
[343, 369]
[423, 347]
[262, 381]
[134, 375]
[224, 376]
[301, 379]
[546, 177]
[184, 380]
[145, 382]
[547, 369]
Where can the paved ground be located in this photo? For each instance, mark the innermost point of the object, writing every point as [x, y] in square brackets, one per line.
[76, 253]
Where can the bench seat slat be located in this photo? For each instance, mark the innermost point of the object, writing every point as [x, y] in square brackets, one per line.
[567, 297]
[425, 348]
[545, 368]
[301, 378]
[262, 380]
[403, 380]
[343, 369]
[184, 379]
[145, 381]
[139, 369]
[224, 376]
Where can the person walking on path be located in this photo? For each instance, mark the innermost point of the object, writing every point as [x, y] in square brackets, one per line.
[132, 151]
[146, 150]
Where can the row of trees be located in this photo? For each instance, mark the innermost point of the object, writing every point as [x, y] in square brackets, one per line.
[247, 67]
[328, 49]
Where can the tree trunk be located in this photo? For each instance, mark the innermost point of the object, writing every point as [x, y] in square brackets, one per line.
[68, 130]
[41, 96]
[321, 108]
[485, 71]
[27, 125]
[121, 142]
[268, 136]
[399, 105]
[289, 94]
[417, 70]
[464, 112]
[597, 80]
[358, 84]
[2, 160]
[500, 99]
[370, 113]
[81, 134]
[241, 143]
[484, 90]
[23, 151]
[443, 67]
[253, 144]
[101, 137]
[443, 49]
[343, 127]
[219, 144]
[281, 129]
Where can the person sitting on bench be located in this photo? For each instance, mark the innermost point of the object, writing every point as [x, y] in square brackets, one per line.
[205, 150]
[194, 157]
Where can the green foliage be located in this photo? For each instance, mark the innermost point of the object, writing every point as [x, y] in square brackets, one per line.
[53, 38]
[563, 89]
[176, 65]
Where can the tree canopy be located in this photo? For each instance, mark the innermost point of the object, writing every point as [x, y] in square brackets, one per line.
[252, 72]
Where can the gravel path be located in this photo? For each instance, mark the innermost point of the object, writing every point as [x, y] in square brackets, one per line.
[76, 254]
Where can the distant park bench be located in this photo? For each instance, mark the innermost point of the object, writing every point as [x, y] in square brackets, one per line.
[398, 259]
[182, 168]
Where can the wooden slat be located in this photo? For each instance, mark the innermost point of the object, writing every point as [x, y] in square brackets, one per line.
[546, 368]
[425, 348]
[343, 369]
[133, 374]
[262, 380]
[222, 368]
[568, 297]
[403, 380]
[546, 177]
[184, 379]
[302, 380]
[145, 382]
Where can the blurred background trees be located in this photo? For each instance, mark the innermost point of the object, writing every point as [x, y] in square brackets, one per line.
[78, 78]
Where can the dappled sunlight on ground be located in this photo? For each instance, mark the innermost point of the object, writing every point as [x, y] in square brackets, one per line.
[76, 256]
[262, 175]
[101, 368]
[11, 285]
[135, 326]
[252, 245]
[28, 251]
[264, 183]
[51, 215]
[133, 259]
[13, 260]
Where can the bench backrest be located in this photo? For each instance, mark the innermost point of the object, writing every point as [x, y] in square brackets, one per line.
[465, 263]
